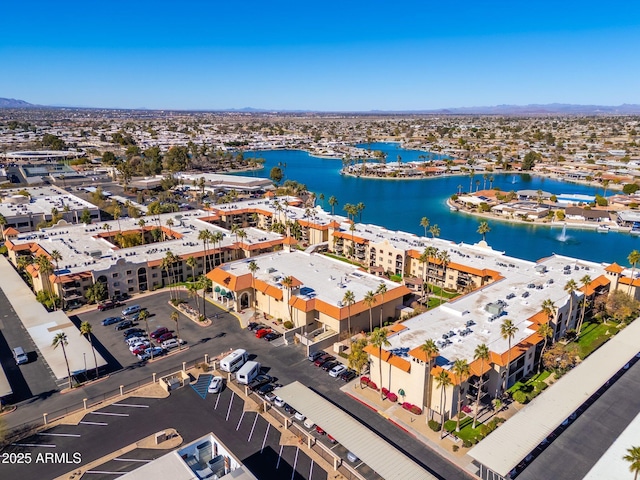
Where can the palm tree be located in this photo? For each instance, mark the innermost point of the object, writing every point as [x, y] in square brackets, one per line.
[175, 316]
[287, 282]
[460, 369]
[570, 287]
[253, 268]
[634, 258]
[585, 281]
[144, 316]
[549, 309]
[434, 230]
[166, 265]
[424, 223]
[483, 229]
[348, 300]
[333, 201]
[507, 331]
[431, 350]
[633, 457]
[480, 353]
[443, 380]
[60, 340]
[546, 332]
[424, 260]
[381, 290]
[46, 268]
[369, 300]
[379, 340]
[358, 358]
[85, 330]
[169, 223]
[192, 289]
[192, 263]
[444, 258]
[141, 224]
[117, 212]
[205, 283]
[205, 236]
[217, 238]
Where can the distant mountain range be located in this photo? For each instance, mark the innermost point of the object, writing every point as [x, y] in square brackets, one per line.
[532, 109]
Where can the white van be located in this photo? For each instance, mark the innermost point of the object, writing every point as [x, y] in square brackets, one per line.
[248, 372]
[234, 360]
[20, 356]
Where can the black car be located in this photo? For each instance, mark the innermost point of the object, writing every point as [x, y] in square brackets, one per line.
[252, 325]
[259, 381]
[348, 375]
[289, 409]
[326, 366]
[272, 336]
[258, 326]
[124, 324]
[264, 389]
[132, 331]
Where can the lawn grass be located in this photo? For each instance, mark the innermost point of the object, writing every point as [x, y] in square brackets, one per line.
[592, 336]
[342, 259]
[442, 292]
[538, 377]
[466, 431]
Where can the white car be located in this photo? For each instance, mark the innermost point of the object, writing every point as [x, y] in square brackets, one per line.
[337, 370]
[171, 343]
[352, 457]
[299, 416]
[309, 423]
[216, 385]
[134, 340]
[135, 346]
[278, 402]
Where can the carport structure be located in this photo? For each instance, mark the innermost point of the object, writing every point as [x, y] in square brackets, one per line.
[383, 458]
[502, 451]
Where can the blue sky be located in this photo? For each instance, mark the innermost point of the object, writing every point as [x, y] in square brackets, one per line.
[348, 55]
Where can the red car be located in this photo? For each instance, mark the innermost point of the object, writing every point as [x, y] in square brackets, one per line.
[108, 304]
[262, 332]
[164, 337]
[159, 331]
[140, 349]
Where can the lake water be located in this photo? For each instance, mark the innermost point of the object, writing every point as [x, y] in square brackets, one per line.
[400, 204]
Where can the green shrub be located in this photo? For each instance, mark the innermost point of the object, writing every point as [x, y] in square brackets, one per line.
[520, 397]
[3, 250]
[288, 324]
[466, 444]
[433, 425]
[455, 448]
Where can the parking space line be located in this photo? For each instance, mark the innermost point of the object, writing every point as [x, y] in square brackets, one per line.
[264, 440]
[110, 414]
[311, 470]
[60, 434]
[215, 407]
[129, 405]
[230, 403]
[93, 423]
[279, 457]
[240, 421]
[295, 463]
[47, 445]
[131, 460]
[252, 428]
[103, 472]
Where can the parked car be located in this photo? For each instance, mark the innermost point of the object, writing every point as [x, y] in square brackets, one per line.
[309, 423]
[164, 337]
[252, 325]
[278, 402]
[171, 343]
[146, 355]
[259, 381]
[265, 389]
[216, 385]
[315, 355]
[258, 326]
[348, 375]
[111, 321]
[336, 371]
[272, 336]
[331, 439]
[135, 339]
[132, 331]
[326, 366]
[124, 324]
[352, 457]
[159, 331]
[139, 348]
[320, 431]
[289, 409]
[270, 397]
[299, 416]
[131, 310]
[262, 332]
[323, 358]
[108, 304]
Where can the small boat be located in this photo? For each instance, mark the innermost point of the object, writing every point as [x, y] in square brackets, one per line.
[603, 228]
[453, 209]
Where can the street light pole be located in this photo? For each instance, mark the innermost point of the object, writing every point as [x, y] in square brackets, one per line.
[84, 356]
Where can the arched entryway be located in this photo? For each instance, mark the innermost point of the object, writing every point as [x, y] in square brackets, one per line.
[245, 300]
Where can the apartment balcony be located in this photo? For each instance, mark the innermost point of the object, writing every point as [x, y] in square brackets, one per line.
[74, 295]
[69, 286]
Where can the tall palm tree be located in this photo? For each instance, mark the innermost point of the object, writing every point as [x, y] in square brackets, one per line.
[634, 258]
[429, 252]
[170, 224]
[166, 266]
[483, 229]
[381, 290]
[585, 281]
[192, 289]
[141, 224]
[444, 258]
[546, 332]
[144, 316]
[333, 201]
[507, 331]
[253, 268]
[431, 350]
[288, 283]
[85, 330]
[369, 300]
[192, 263]
[217, 238]
[424, 260]
[480, 353]
[205, 283]
[550, 310]
[460, 369]
[348, 300]
[117, 212]
[175, 316]
[45, 268]
[443, 380]
[379, 340]
[204, 236]
[424, 223]
[633, 457]
[570, 287]
[434, 230]
[60, 340]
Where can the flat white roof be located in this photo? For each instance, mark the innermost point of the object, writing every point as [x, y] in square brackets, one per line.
[43, 326]
[379, 455]
[228, 181]
[322, 277]
[521, 434]
[5, 387]
[43, 200]
[520, 276]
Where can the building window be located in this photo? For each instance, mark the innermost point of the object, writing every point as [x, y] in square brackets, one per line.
[129, 272]
[115, 275]
[154, 275]
[129, 281]
[130, 289]
[115, 284]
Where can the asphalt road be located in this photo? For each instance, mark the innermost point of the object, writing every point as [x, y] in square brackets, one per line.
[287, 363]
[574, 452]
